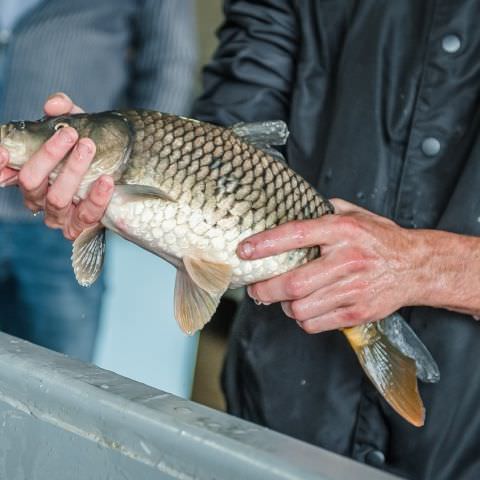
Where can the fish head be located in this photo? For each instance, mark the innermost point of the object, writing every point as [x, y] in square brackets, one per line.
[22, 139]
[110, 131]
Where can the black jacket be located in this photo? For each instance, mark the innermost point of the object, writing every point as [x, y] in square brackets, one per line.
[382, 101]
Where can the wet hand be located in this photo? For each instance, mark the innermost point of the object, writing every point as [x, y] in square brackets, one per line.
[57, 199]
[366, 271]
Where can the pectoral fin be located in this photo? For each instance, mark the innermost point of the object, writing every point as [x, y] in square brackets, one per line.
[392, 373]
[88, 255]
[209, 276]
[194, 307]
[141, 192]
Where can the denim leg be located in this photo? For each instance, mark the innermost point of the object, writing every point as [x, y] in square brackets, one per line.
[52, 310]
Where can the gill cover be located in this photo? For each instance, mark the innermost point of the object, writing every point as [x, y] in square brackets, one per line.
[113, 137]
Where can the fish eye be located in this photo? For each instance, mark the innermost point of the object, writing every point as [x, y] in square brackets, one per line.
[60, 125]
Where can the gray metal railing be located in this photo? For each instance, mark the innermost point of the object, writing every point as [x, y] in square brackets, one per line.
[62, 419]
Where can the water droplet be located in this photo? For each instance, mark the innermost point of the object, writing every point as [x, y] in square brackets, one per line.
[303, 382]
[360, 195]
[328, 175]
[478, 219]
[105, 387]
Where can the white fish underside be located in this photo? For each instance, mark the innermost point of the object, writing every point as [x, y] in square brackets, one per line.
[173, 230]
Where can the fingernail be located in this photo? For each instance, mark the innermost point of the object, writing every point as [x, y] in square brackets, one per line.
[57, 96]
[249, 291]
[105, 185]
[67, 135]
[84, 149]
[246, 250]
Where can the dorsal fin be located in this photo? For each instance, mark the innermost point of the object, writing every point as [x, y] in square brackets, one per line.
[263, 134]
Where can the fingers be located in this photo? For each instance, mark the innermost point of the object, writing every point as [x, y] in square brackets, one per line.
[44, 160]
[91, 210]
[8, 176]
[297, 283]
[60, 195]
[33, 177]
[60, 104]
[325, 301]
[341, 318]
[335, 265]
[329, 309]
[289, 236]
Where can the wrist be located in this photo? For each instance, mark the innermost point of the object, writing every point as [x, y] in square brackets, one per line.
[445, 270]
[420, 282]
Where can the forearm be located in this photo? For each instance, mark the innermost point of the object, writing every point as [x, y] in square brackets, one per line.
[447, 271]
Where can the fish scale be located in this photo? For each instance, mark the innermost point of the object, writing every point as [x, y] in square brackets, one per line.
[215, 159]
[158, 224]
[229, 198]
[190, 192]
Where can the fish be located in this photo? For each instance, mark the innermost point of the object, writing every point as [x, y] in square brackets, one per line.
[189, 192]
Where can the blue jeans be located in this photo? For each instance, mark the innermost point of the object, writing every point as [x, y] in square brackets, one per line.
[40, 300]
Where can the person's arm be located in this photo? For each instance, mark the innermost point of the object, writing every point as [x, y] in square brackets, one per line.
[57, 199]
[251, 75]
[369, 268]
[164, 56]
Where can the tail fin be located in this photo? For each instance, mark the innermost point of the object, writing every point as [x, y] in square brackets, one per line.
[404, 338]
[392, 372]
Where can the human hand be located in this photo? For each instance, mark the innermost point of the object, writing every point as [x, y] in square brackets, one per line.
[367, 268]
[58, 199]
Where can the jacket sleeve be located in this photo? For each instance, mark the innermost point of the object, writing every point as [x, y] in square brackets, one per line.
[251, 74]
[164, 56]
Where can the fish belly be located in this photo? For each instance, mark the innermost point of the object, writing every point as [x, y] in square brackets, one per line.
[173, 231]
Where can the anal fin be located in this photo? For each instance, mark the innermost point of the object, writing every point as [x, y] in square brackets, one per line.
[392, 372]
[88, 255]
[194, 307]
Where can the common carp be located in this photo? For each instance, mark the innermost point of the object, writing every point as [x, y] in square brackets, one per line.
[189, 192]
